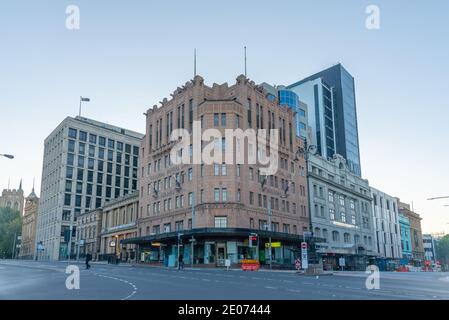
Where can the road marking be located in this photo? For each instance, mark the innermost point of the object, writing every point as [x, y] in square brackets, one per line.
[268, 287]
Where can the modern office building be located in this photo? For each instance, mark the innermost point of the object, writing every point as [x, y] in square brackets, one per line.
[386, 227]
[28, 241]
[86, 163]
[341, 214]
[415, 232]
[13, 198]
[210, 210]
[337, 85]
[289, 98]
[319, 97]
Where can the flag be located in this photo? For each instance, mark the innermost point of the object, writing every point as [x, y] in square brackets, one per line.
[85, 99]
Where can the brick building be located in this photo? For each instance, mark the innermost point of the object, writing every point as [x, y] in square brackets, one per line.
[213, 208]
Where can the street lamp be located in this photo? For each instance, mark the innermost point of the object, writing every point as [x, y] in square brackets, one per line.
[306, 151]
[9, 156]
[192, 240]
[262, 186]
[436, 198]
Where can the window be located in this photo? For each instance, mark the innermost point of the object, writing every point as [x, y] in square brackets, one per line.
[190, 198]
[179, 225]
[238, 170]
[167, 227]
[223, 119]
[223, 169]
[342, 201]
[251, 198]
[335, 236]
[70, 159]
[111, 143]
[224, 194]
[92, 138]
[102, 141]
[332, 214]
[331, 196]
[343, 216]
[71, 146]
[216, 169]
[221, 222]
[217, 195]
[72, 133]
[215, 119]
[346, 237]
[67, 199]
[83, 136]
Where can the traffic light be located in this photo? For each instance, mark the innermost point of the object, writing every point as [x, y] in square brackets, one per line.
[252, 240]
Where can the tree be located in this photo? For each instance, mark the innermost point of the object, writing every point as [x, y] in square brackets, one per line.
[442, 249]
[10, 226]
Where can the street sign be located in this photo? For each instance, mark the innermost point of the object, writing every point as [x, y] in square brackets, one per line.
[273, 245]
[304, 257]
[341, 262]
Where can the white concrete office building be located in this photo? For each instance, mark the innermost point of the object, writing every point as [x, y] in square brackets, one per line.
[86, 163]
[340, 213]
[387, 236]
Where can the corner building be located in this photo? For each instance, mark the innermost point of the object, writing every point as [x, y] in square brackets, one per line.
[213, 209]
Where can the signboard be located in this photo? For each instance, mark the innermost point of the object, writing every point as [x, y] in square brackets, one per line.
[112, 243]
[250, 265]
[304, 257]
[341, 262]
[273, 245]
[81, 242]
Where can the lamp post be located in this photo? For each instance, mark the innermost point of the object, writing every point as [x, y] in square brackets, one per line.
[192, 240]
[306, 151]
[9, 156]
[262, 186]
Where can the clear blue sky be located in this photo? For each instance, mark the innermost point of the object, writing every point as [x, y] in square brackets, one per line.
[129, 55]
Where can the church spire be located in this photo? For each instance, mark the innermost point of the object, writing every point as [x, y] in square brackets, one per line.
[20, 185]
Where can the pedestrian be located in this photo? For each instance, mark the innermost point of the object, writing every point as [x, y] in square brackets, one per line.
[181, 262]
[88, 258]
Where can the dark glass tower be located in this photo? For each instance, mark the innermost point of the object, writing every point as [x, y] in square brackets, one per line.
[345, 113]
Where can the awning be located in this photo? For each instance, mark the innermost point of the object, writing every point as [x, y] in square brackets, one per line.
[204, 233]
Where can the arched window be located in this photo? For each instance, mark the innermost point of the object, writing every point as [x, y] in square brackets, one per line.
[325, 235]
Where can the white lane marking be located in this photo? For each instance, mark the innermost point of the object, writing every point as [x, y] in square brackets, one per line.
[268, 287]
[124, 281]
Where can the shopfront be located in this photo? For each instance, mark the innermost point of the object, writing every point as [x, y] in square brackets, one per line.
[211, 247]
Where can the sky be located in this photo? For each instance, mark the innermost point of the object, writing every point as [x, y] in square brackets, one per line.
[128, 56]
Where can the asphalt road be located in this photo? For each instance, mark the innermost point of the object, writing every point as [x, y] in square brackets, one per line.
[44, 281]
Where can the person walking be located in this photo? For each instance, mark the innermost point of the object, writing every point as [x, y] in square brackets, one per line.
[181, 262]
[88, 258]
